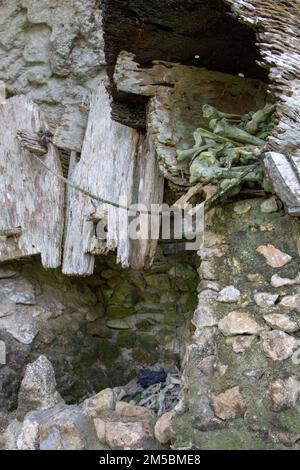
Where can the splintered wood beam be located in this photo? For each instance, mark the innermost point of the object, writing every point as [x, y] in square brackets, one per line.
[11, 232]
[69, 134]
[129, 77]
[31, 198]
[284, 179]
[31, 142]
[117, 164]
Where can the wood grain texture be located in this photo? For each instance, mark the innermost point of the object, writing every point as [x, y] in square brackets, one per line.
[70, 132]
[32, 199]
[113, 167]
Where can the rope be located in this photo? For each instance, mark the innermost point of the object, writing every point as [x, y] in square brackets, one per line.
[208, 201]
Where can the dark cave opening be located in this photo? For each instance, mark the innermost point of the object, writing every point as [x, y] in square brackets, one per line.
[197, 33]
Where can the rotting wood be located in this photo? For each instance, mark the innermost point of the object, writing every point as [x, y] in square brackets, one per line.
[284, 179]
[12, 232]
[116, 162]
[31, 141]
[32, 199]
[69, 134]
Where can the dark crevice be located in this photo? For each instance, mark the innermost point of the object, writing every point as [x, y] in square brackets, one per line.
[201, 33]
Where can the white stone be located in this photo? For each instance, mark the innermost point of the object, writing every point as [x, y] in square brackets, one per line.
[29, 436]
[229, 294]
[264, 299]
[100, 426]
[277, 281]
[284, 393]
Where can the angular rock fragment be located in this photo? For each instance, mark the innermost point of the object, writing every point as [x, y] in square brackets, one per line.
[121, 435]
[269, 205]
[38, 388]
[278, 345]
[229, 294]
[62, 427]
[282, 322]
[242, 343]
[163, 428]
[264, 299]
[239, 323]
[277, 281]
[284, 393]
[291, 302]
[229, 404]
[103, 401]
[274, 257]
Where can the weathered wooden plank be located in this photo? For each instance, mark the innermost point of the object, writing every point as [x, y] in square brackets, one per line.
[150, 190]
[69, 134]
[284, 179]
[32, 198]
[111, 167]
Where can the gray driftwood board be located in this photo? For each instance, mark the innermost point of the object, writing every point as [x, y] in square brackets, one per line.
[31, 198]
[116, 161]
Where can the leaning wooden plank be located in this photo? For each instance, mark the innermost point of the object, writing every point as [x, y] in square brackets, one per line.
[150, 184]
[105, 169]
[284, 179]
[70, 132]
[31, 198]
[129, 77]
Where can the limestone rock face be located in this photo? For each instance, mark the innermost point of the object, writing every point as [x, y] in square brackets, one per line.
[59, 58]
[38, 388]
